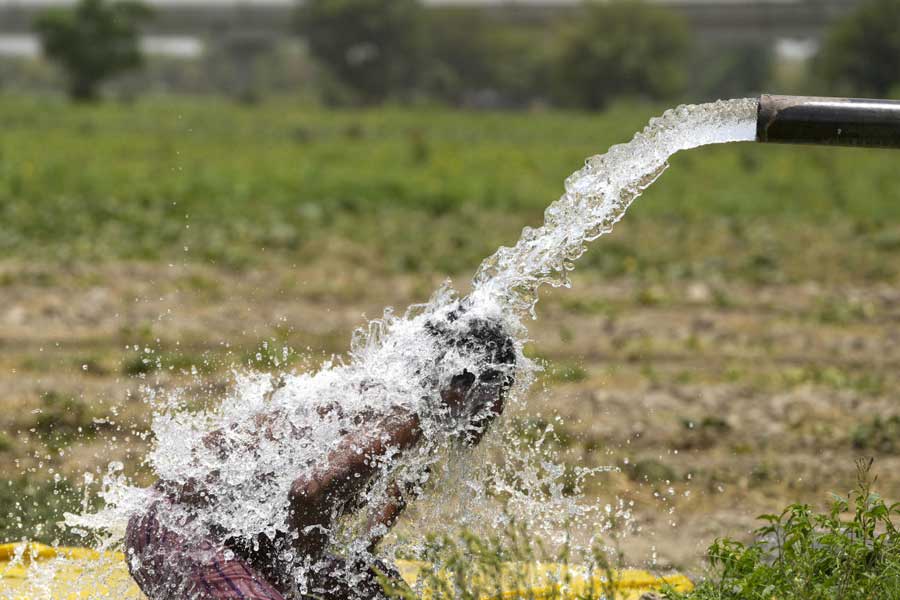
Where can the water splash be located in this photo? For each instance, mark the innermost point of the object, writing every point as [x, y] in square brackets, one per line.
[240, 459]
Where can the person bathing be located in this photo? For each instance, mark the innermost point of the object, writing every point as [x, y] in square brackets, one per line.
[171, 561]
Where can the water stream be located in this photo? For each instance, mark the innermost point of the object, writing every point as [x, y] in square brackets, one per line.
[243, 456]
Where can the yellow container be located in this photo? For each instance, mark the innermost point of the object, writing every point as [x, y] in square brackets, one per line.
[37, 572]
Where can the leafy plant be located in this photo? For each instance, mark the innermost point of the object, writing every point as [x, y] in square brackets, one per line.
[92, 42]
[800, 554]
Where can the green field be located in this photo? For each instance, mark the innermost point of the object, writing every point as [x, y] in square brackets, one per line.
[418, 191]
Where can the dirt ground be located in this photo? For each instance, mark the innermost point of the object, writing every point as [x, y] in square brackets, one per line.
[715, 402]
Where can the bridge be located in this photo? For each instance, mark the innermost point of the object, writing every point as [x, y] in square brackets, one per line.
[715, 21]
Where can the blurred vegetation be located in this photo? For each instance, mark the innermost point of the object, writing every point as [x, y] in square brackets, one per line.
[861, 54]
[32, 509]
[367, 52]
[364, 52]
[878, 434]
[738, 70]
[623, 48]
[407, 190]
[371, 48]
[92, 42]
[478, 59]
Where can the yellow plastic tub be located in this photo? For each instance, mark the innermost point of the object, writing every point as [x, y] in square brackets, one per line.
[37, 572]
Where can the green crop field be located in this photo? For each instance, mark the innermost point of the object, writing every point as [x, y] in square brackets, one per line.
[729, 349]
[414, 191]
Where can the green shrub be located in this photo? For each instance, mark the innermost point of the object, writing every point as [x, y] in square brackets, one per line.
[800, 554]
[861, 53]
[371, 47]
[565, 373]
[622, 48]
[474, 58]
[143, 363]
[650, 470]
[741, 69]
[92, 42]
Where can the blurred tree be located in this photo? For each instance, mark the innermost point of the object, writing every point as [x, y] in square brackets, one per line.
[477, 58]
[732, 70]
[92, 42]
[622, 48]
[861, 53]
[372, 47]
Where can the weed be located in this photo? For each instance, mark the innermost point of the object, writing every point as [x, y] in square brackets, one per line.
[535, 430]
[836, 311]
[800, 554]
[870, 383]
[92, 365]
[651, 296]
[589, 306]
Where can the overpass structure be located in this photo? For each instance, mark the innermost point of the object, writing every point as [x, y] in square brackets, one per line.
[218, 21]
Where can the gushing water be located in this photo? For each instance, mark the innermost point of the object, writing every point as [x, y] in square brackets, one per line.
[234, 470]
[598, 195]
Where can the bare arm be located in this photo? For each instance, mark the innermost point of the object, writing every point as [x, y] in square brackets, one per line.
[348, 467]
[383, 516]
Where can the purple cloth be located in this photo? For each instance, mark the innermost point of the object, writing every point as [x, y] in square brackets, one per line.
[168, 567]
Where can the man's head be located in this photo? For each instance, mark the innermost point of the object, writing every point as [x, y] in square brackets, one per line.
[478, 396]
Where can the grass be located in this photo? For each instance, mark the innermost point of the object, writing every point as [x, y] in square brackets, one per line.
[32, 509]
[851, 551]
[201, 180]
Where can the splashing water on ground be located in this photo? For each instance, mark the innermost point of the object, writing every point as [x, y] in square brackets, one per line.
[239, 461]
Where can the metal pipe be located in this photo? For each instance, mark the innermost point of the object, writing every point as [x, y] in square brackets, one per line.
[828, 121]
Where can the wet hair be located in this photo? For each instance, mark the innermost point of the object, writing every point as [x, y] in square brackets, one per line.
[482, 337]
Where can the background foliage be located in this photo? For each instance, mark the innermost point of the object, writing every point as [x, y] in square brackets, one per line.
[93, 42]
[862, 53]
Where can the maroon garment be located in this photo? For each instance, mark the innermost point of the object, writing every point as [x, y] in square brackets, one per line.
[168, 567]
